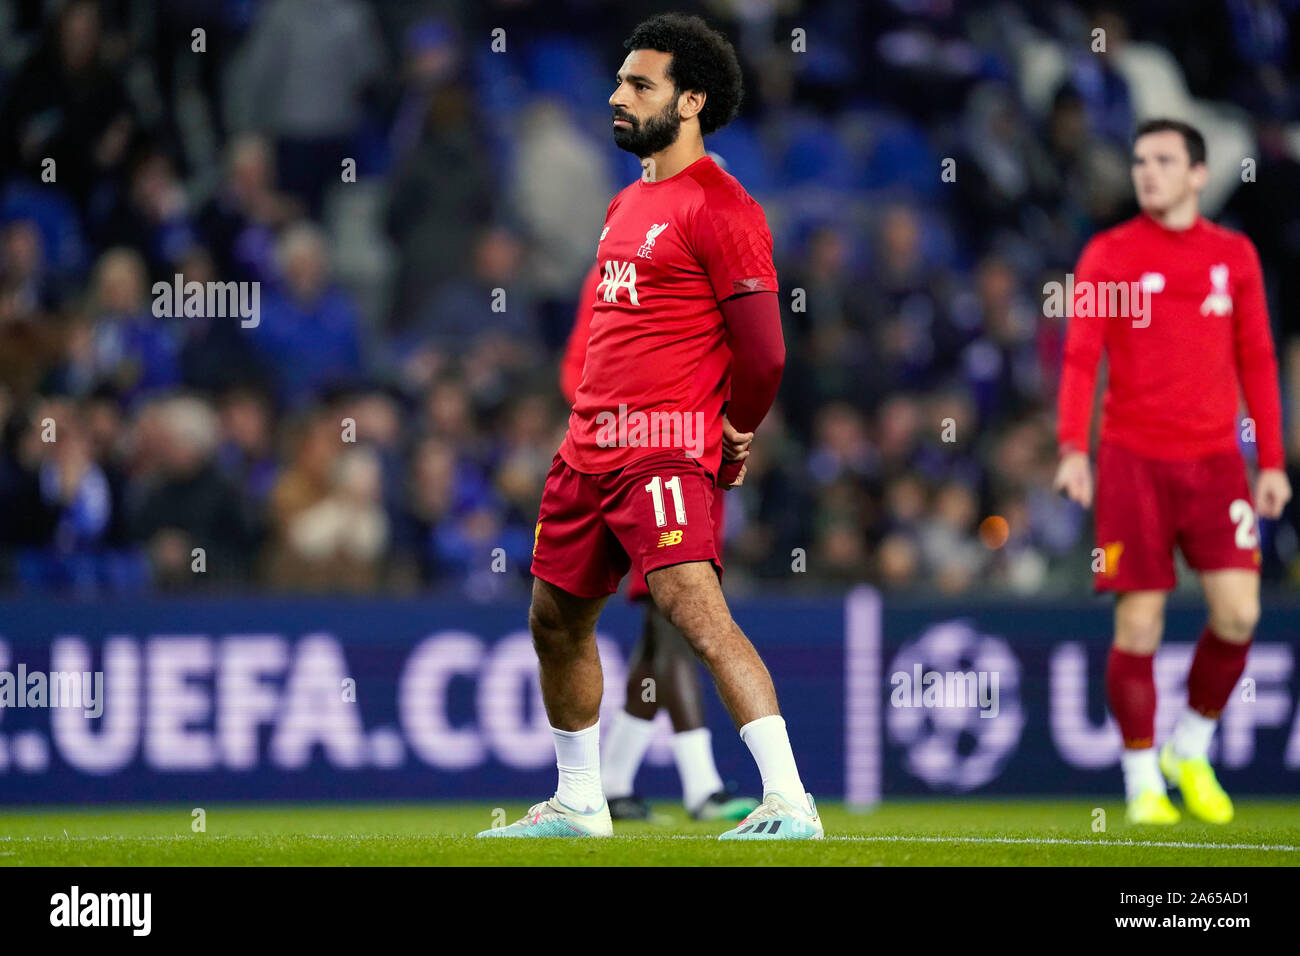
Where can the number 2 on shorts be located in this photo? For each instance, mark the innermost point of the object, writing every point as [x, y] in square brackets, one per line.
[1242, 515]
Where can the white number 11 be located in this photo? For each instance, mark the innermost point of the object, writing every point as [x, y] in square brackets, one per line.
[656, 489]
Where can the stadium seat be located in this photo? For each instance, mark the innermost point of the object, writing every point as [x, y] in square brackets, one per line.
[55, 218]
[814, 153]
[900, 155]
[568, 70]
[739, 146]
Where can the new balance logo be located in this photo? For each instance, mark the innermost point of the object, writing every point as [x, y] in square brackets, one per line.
[618, 275]
[670, 538]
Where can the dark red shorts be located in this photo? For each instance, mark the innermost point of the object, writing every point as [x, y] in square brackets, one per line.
[638, 590]
[591, 529]
[1146, 507]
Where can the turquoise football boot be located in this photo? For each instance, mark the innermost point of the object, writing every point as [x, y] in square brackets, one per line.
[776, 818]
[554, 819]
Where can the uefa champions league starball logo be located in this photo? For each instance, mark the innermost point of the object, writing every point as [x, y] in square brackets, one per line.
[954, 705]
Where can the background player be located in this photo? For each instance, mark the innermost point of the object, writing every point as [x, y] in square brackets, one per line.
[661, 654]
[688, 292]
[1169, 470]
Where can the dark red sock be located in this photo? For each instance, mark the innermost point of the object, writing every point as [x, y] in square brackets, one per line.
[1131, 688]
[1216, 668]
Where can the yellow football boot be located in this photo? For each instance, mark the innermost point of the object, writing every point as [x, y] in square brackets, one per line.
[1151, 807]
[1202, 794]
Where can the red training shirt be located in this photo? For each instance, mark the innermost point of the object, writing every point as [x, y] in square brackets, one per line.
[575, 351]
[669, 253]
[1174, 386]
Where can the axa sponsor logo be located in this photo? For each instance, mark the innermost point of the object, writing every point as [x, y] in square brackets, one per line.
[618, 275]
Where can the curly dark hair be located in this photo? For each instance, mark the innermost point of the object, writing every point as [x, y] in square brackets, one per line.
[703, 59]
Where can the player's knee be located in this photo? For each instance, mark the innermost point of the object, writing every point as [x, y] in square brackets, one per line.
[681, 617]
[551, 634]
[1139, 633]
[704, 636]
[1237, 621]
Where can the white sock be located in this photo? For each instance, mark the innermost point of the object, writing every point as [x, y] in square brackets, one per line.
[625, 748]
[1141, 772]
[577, 755]
[770, 744]
[693, 750]
[1192, 734]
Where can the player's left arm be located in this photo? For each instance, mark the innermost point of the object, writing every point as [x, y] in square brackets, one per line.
[758, 359]
[1257, 371]
[733, 243]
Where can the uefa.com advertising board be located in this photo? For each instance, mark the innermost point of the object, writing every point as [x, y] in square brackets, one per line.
[266, 699]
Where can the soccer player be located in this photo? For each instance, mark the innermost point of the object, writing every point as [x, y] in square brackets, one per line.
[688, 291]
[1169, 471]
[661, 655]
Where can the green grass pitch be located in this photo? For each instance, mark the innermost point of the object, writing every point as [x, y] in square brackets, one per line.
[899, 833]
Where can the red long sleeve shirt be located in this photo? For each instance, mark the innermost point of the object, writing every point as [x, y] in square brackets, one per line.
[754, 336]
[1177, 371]
[671, 253]
[757, 357]
[575, 351]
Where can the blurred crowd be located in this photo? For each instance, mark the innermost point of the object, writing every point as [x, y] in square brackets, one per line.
[416, 188]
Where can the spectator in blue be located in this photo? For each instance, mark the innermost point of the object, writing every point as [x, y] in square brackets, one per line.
[239, 223]
[460, 544]
[68, 504]
[469, 308]
[1265, 44]
[452, 519]
[154, 217]
[130, 349]
[246, 455]
[914, 338]
[1099, 82]
[24, 272]
[308, 331]
[1001, 366]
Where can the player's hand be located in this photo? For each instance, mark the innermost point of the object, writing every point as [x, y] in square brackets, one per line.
[735, 445]
[1074, 478]
[732, 474]
[1272, 492]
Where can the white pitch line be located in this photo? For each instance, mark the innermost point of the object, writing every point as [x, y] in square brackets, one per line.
[888, 838]
[1033, 841]
[1026, 840]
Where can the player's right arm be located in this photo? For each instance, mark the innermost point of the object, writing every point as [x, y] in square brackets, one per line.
[1084, 341]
